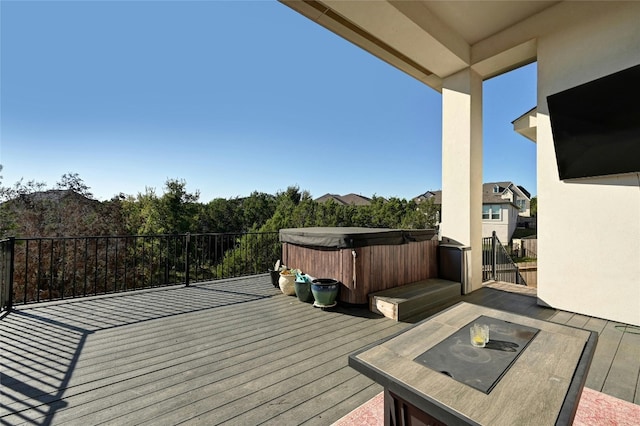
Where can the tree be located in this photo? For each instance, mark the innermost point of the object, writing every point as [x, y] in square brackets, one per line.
[21, 189]
[175, 212]
[256, 210]
[291, 194]
[141, 213]
[422, 215]
[534, 206]
[177, 208]
[221, 215]
[73, 182]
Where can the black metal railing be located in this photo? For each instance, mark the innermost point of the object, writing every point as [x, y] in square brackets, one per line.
[497, 265]
[6, 273]
[43, 269]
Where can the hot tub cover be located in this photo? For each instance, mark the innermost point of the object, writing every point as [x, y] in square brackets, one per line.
[352, 237]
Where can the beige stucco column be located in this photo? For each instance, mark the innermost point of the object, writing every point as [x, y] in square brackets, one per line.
[462, 167]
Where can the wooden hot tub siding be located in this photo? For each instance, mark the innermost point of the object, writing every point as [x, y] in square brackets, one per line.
[377, 267]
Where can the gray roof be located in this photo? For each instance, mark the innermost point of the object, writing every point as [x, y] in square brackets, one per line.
[488, 196]
[435, 195]
[349, 199]
[487, 190]
[524, 191]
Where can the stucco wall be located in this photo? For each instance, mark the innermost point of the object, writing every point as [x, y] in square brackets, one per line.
[588, 262]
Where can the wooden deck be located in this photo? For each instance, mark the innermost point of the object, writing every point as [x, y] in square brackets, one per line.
[234, 352]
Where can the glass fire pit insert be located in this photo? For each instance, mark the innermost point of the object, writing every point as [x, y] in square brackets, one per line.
[480, 368]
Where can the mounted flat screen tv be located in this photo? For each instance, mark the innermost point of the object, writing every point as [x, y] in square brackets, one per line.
[596, 126]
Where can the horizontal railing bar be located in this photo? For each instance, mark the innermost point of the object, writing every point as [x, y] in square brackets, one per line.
[139, 236]
[52, 268]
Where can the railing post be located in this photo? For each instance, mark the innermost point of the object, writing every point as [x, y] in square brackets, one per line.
[494, 255]
[12, 248]
[7, 279]
[187, 260]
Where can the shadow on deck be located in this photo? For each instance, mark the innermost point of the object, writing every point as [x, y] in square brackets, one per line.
[233, 351]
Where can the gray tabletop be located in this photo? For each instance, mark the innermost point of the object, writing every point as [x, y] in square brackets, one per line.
[541, 387]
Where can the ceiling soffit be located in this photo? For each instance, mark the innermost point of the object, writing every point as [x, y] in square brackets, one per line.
[475, 21]
[384, 31]
[431, 40]
[394, 28]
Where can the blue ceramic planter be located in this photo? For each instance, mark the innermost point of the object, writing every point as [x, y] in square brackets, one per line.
[325, 292]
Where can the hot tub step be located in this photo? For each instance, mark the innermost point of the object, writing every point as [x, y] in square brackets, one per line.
[400, 303]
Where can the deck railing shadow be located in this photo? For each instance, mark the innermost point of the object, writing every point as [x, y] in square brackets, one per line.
[33, 376]
[32, 380]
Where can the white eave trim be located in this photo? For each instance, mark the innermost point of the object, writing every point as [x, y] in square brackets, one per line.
[527, 124]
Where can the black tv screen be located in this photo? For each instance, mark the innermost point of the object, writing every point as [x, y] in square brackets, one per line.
[596, 126]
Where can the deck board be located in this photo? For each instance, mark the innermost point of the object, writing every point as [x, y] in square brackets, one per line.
[608, 342]
[561, 317]
[233, 351]
[222, 367]
[636, 399]
[621, 381]
[595, 324]
[579, 321]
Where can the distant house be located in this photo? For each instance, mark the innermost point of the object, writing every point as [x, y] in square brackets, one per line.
[349, 199]
[508, 191]
[503, 203]
[427, 195]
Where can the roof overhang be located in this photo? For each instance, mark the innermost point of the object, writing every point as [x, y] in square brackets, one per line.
[527, 124]
[431, 40]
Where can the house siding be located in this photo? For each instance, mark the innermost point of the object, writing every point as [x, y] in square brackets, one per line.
[504, 227]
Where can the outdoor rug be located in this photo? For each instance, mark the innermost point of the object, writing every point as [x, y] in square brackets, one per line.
[594, 408]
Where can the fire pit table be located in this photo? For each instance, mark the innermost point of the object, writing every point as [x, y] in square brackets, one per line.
[531, 372]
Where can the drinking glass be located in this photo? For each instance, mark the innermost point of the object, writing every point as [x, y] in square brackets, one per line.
[477, 336]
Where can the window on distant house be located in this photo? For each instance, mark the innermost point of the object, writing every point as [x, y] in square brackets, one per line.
[496, 189]
[491, 211]
[522, 204]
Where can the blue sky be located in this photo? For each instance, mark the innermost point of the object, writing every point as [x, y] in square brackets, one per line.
[232, 97]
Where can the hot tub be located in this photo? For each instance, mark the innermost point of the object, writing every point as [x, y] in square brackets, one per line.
[364, 260]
